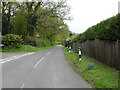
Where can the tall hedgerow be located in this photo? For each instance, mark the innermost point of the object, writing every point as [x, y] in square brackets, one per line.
[105, 30]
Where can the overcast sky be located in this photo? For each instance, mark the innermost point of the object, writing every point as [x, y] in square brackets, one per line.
[86, 13]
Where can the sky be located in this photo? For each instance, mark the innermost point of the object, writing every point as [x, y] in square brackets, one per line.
[86, 13]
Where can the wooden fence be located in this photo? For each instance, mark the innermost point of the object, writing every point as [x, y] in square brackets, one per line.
[108, 52]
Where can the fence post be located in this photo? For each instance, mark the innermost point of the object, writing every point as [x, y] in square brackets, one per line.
[118, 55]
[80, 55]
[118, 61]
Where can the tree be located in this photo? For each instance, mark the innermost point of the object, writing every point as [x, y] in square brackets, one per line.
[31, 9]
[7, 12]
[45, 18]
[49, 27]
[20, 26]
[60, 9]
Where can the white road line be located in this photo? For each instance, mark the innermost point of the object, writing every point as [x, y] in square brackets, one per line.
[53, 49]
[43, 58]
[14, 57]
[22, 86]
[49, 52]
[3, 59]
[39, 62]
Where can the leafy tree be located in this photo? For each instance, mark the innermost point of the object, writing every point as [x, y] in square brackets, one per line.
[45, 18]
[7, 12]
[59, 8]
[48, 26]
[20, 26]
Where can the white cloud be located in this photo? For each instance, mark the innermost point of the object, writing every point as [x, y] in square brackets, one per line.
[90, 12]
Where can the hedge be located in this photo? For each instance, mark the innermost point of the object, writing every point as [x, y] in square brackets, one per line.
[105, 30]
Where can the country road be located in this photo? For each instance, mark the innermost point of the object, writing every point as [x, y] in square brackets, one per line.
[46, 68]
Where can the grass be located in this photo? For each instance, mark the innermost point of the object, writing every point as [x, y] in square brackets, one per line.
[99, 75]
[23, 48]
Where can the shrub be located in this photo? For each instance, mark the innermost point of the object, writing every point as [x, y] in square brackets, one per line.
[32, 41]
[12, 40]
[108, 29]
[44, 42]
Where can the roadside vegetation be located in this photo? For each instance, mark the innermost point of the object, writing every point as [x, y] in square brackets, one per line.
[108, 29]
[15, 43]
[93, 71]
[31, 25]
[23, 48]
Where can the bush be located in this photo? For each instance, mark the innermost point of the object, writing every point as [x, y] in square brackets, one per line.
[32, 41]
[108, 29]
[44, 42]
[12, 40]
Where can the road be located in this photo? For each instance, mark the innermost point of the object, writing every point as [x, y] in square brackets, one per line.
[43, 69]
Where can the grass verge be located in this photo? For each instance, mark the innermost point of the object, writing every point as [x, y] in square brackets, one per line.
[24, 48]
[98, 74]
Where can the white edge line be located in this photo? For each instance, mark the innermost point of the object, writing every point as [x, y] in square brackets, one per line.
[3, 59]
[13, 58]
[39, 62]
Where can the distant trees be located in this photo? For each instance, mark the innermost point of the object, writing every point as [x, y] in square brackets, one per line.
[45, 18]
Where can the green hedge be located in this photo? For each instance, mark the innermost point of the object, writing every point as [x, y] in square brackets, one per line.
[32, 41]
[105, 30]
[12, 40]
[45, 42]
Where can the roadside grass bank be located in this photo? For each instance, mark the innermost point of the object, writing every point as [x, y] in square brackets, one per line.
[23, 48]
[94, 72]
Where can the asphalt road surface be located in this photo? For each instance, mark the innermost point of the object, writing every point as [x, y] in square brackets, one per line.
[42, 69]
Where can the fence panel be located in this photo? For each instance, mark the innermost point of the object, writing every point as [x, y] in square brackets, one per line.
[105, 51]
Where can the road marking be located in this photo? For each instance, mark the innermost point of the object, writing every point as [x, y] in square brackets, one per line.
[14, 57]
[43, 58]
[39, 62]
[22, 86]
[3, 59]
[53, 49]
[49, 52]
